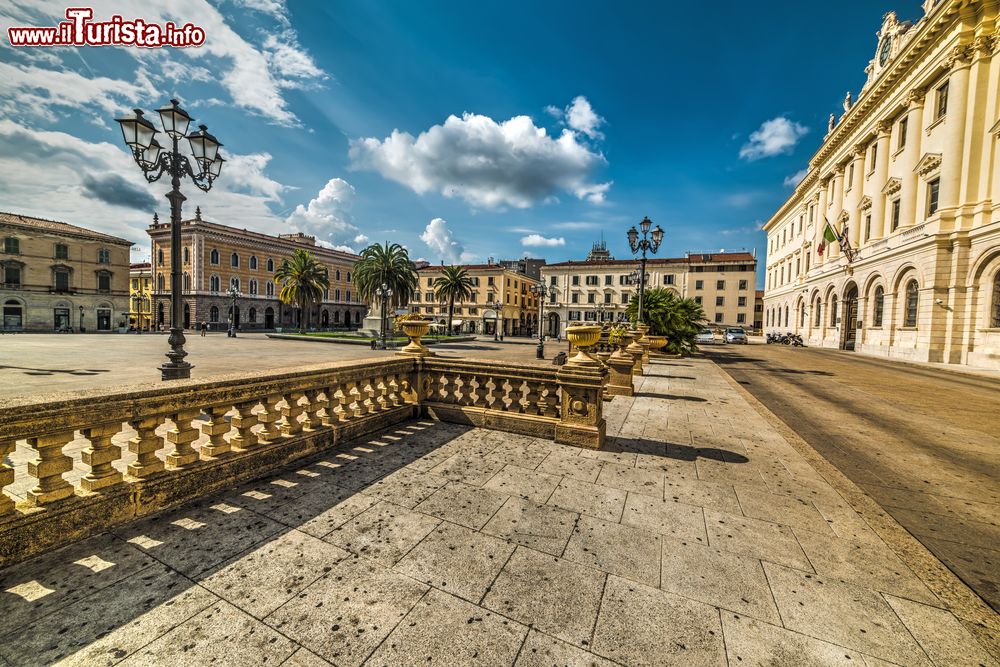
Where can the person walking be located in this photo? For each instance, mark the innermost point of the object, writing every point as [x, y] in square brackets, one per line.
[204, 328]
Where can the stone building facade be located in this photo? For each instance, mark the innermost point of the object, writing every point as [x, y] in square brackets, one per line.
[599, 288]
[140, 296]
[55, 276]
[911, 174]
[518, 315]
[218, 256]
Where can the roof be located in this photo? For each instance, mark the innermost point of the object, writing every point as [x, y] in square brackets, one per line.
[692, 258]
[140, 265]
[56, 227]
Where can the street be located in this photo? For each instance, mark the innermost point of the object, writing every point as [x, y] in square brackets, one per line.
[922, 442]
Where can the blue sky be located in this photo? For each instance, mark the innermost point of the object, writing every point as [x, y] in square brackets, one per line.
[462, 130]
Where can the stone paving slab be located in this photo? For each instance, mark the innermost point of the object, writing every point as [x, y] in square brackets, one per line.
[698, 536]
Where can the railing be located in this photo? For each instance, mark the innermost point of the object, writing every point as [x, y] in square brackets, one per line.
[191, 438]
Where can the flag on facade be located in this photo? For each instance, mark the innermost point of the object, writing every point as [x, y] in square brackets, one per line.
[829, 233]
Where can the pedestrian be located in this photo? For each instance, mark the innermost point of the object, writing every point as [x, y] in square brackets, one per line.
[204, 328]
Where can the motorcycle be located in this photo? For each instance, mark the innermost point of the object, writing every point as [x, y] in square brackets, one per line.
[792, 339]
[773, 337]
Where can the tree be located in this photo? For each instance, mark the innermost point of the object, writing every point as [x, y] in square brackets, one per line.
[303, 281]
[454, 284]
[668, 315]
[387, 264]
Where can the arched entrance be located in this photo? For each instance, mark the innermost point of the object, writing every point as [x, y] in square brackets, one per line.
[325, 319]
[269, 318]
[553, 325]
[849, 331]
[13, 315]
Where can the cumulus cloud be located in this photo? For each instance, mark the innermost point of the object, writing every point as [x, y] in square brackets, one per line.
[115, 190]
[361, 239]
[774, 137]
[441, 241]
[327, 216]
[487, 163]
[581, 116]
[539, 241]
[796, 178]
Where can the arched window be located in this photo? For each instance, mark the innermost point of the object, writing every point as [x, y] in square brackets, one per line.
[269, 288]
[213, 314]
[912, 297]
[252, 286]
[818, 317]
[833, 310]
[234, 260]
[336, 316]
[159, 282]
[187, 255]
[214, 284]
[234, 283]
[338, 274]
[159, 256]
[348, 278]
[995, 311]
[187, 281]
[253, 315]
[253, 262]
[214, 256]
[802, 315]
[270, 264]
[336, 294]
[786, 316]
[878, 306]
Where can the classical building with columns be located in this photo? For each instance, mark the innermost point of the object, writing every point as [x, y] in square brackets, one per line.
[910, 174]
[217, 257]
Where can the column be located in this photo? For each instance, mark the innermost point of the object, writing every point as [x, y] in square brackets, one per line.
[952, 161]
[819, 222]
[880, 225]
[854, 197]
[834, 211]
[910, 157]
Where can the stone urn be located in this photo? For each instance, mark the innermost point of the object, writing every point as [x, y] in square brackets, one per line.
[643, 340]
[582, 337]
[415, 330]
[657, 343]
[635, 350]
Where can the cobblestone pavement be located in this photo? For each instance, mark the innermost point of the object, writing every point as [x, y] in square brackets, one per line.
[39, 364]
[924, 443]
[699, 536]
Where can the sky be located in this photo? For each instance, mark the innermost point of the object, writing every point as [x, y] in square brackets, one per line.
[461, 130]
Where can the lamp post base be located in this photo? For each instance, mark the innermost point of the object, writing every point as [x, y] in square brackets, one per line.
[176, 368]
[540, 351]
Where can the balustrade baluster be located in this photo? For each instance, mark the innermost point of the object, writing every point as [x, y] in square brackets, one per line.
[48, 468]
[515, 397]
[269, 418]
[329, 404]
[144, 445]
[290, 424]
[551, 402]
[395, 387]
[182, 436]
[100, 457]
[356, 405]
[533, 407]
[381, 387]
[6, 476]
[215, 428]
[312, 408]
[243, 422]
[343, 409]
[490, 394]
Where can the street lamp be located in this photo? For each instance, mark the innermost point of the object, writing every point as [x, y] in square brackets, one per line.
[496, 305]
[155, 161]
[601, 309]
[650, 242]
[81, 319]
[383, 292]
[541, 292]
[233, 295]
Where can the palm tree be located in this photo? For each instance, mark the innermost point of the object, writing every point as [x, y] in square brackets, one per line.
[453, 284]
[668, 315]
[303, 281]
[387, 264]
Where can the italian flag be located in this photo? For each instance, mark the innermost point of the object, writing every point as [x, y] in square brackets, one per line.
[829, 236]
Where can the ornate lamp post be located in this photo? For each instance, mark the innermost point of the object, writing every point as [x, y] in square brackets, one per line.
[650, 242]
[541, 292]
[81, 319]
[601, 309]
[496, 305]
[233, 295]
[383, 292]
[140, 136]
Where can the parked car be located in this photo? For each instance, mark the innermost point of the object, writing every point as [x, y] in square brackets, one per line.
[704, 337]
[736, 335]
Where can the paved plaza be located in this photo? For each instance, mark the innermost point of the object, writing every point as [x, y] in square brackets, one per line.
[699, 536]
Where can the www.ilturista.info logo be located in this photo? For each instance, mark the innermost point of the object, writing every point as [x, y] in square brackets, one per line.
[79, 30]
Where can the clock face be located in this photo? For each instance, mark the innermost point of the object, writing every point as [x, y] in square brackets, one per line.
[883, 55]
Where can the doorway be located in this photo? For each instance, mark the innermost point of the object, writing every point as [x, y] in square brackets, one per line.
[850, 330]
[269, 318]
[104, 319]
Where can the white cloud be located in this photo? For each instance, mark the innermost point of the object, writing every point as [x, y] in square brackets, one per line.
[247, 172]
[486, 163]
[581, 117]
[539, 241]
[774, 137]
[440, 240]
[576, 225]
[796, 178]
[361, 238]
[327, 216]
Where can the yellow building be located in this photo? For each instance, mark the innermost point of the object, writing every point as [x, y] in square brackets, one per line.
[218, 257]
[518, 315]
[60, 277]
[910, 174]
[140, 296]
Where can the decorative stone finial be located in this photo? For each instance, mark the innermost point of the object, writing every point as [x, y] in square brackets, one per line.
[197, 213]
[848, 102]
[831, 123]
[156, 218]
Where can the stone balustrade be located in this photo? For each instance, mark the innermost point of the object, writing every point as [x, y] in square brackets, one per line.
[189, 438]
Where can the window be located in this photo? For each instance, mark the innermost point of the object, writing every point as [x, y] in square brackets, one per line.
[213, 257]
[872, 158]
[234, 283]
[741, 318]
[135, 283]
[802, 315]
[607, 297]
[576, 280]
[720, 284]
[697, 300]
[879, 306]
[62, 280]
[699, 284]
[234, 260]
[347, 295]
[252, 286]
[213, 314]
[718, 318]
[103, 256]
[159, 282]
[625, 297]
[995, 317]
[574, 298]
[103, 282]
[253, 262]
[868, 226]
[607, 280]
[269, 288]
[941, 107]
[348, 276]
[159, 256]
[591, 298]
[912, 297]
[12, 275]
[743, 284]
[12, 246]
[668, 279]
[62, 251]
[270, 265]
[214, 284]
[187, 255]
[895, 214]
[552, 281]
[833, 310]
[187, 281]
[253, 315]
[741, 301]
[719, 301]
[489, 281]
[933, 188]
[850, 176]
[901, 142]
[818, 318]
[552, 297]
